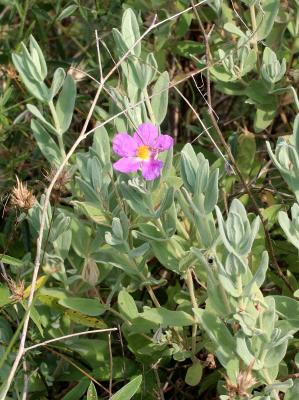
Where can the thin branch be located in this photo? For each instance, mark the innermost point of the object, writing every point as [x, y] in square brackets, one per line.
[99, 56]
[190, 286]
[155, 368]
[71, 362]
[35, 346]
[110, 364]
[26, 381]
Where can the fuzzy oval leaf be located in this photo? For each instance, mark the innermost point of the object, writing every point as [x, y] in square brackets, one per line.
[91, 392]
[266, 17]
[36, 113]
[130, 31]
[126, 304]
[36, 87]
[91, 307]
[165, 317]
[194, 374]
[159, 100]
[11, 260]
[35, 49]
[128, 391]
[66, 103]
[45, 143]
[57, 82]
[67, 12]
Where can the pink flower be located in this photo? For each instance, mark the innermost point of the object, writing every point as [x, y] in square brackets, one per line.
[140, 151]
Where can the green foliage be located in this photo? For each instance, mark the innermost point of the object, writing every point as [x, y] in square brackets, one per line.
[181, 265]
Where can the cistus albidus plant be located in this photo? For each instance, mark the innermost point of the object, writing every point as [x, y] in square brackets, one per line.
[141, 237]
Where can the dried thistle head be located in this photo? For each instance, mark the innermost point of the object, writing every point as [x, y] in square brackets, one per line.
[59, 188]
[17, 290]
[244, 382]
[63, 178]
[22, 197]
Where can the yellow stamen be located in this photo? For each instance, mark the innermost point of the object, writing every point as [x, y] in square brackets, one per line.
[143, 152]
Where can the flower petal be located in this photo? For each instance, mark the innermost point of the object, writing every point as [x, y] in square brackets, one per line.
[163, 142]
[146, 134]
[124, 145]
[127, 165]
[151, 169]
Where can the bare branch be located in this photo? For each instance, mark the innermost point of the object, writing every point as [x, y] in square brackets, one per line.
[71, 335]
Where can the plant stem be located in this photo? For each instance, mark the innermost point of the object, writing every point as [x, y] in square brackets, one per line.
[160, 388]
[189, 283]
[254, 34]
[23, 18]
[153, 296]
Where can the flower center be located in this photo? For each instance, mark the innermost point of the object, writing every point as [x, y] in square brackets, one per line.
[143, 152]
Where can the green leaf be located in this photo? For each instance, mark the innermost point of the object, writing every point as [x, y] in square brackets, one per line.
[91, 307]
[67, 12]
[168, 253]
[159, 100]
[57, 82]
[35, 111]
[36, 318]
[263, 118]
[38, 56]
[101, 145]
[293, 392]
[246, 152]
[166, 203]
[37, 88]
[5, 331]
[165, 317]
[219, 334]
[78, 391]
[151, 67]
[266, 17]
[83, 319]
[31, 63]
[136, 201]
[259, 277]
[194, 374]
[128, 391]
[121, 47]
[126, 305]
[4, 296]
[91, 392]
[232, 28]
[46, 144]
[288, 308]
[66, 103]
[11, 260]
[189, 166]
[91, 210]
[296, 133]
[187, 48]
[130, 31]
[245, 353]
[211, 196]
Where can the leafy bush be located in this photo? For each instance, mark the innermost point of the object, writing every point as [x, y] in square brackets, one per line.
[154, 264]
